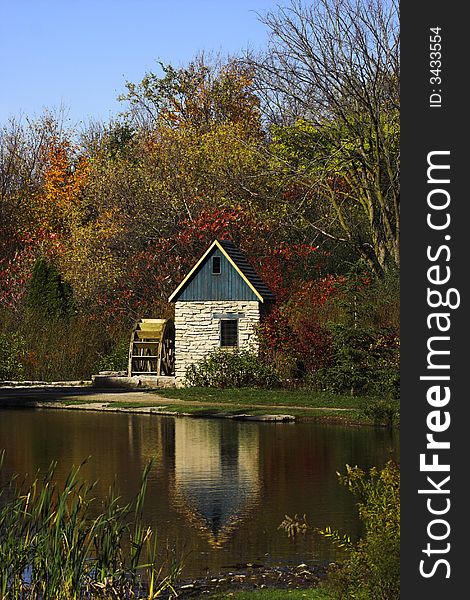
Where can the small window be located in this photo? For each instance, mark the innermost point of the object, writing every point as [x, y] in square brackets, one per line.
[228, 333]
[216, 265]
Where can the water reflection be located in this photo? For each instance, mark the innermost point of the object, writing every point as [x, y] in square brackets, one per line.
[218, 489]
[216, 480]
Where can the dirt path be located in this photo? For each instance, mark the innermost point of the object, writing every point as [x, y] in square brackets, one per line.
[45, 395]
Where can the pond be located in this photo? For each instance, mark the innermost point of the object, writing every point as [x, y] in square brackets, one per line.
[218, 489]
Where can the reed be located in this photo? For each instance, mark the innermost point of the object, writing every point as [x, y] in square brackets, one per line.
[53, 546]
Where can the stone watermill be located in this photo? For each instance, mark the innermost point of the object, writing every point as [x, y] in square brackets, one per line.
[152, 348]
[219, 304]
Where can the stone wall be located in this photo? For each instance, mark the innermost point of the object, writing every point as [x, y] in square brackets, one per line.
[197, 329]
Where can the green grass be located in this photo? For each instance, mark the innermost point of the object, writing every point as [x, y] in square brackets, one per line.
[272, 594]
[252, 401]
[255, 396]
[299, 403]
[302, 404]
[203, 410]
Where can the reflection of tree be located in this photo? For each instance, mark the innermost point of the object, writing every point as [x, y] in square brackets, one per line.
[216, 481]
[305, 459]
[118, 446]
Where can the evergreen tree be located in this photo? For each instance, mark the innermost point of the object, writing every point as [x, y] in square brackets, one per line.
[49, 297]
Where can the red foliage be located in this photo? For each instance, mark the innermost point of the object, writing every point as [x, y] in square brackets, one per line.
[295, 330]
[152, 274]
[194, 235]
[285, 267]
[282, 265]
[306, 342]
[17, 256]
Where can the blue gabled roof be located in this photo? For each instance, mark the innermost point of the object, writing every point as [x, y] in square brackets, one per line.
[257, 289]
[245, 267]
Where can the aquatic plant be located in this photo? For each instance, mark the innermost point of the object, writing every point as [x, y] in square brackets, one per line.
[56, 544]
[372, 569]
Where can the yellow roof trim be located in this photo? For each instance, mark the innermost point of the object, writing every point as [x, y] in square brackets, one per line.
[242, 275]
[217, 244]
[196, 266]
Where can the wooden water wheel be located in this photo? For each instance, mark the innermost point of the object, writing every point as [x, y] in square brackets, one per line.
[152, 348]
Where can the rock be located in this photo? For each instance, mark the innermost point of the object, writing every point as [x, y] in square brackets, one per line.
[274, 418]
[256, 576]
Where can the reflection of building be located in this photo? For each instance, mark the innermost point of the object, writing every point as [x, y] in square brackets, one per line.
[216, 480]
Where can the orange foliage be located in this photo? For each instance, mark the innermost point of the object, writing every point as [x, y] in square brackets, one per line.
[64, 178]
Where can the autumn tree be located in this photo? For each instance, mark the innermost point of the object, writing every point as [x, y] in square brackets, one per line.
[330, 81]
[160, 189]
[25, 147]
[293, 156]
[199, 96]
[56, 204]
[202, 154]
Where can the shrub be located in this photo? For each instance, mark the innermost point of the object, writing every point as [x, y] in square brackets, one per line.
[373, 567]
[48, 296]
[116, 359]
[371, 570]
[237, 368]
[365, 361]
[12, 348]
[382, 412]
[292, 338]
[63, 349]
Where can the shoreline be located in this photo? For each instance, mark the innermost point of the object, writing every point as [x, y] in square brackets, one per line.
[84, 396]
[231, 579]
[250, 578]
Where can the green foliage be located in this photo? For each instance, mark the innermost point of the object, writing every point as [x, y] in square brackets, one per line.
[342, 540]
[120, 140]
[234, 368]
[363, 321]
[12, 349]
[382, 412]
[364, 361]
[116, 359]
[373, 568]
[48, 296]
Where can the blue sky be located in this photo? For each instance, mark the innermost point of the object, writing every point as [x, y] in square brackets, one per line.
[79, 53]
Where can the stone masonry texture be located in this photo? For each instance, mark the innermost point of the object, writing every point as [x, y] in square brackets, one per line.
[198, 331]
